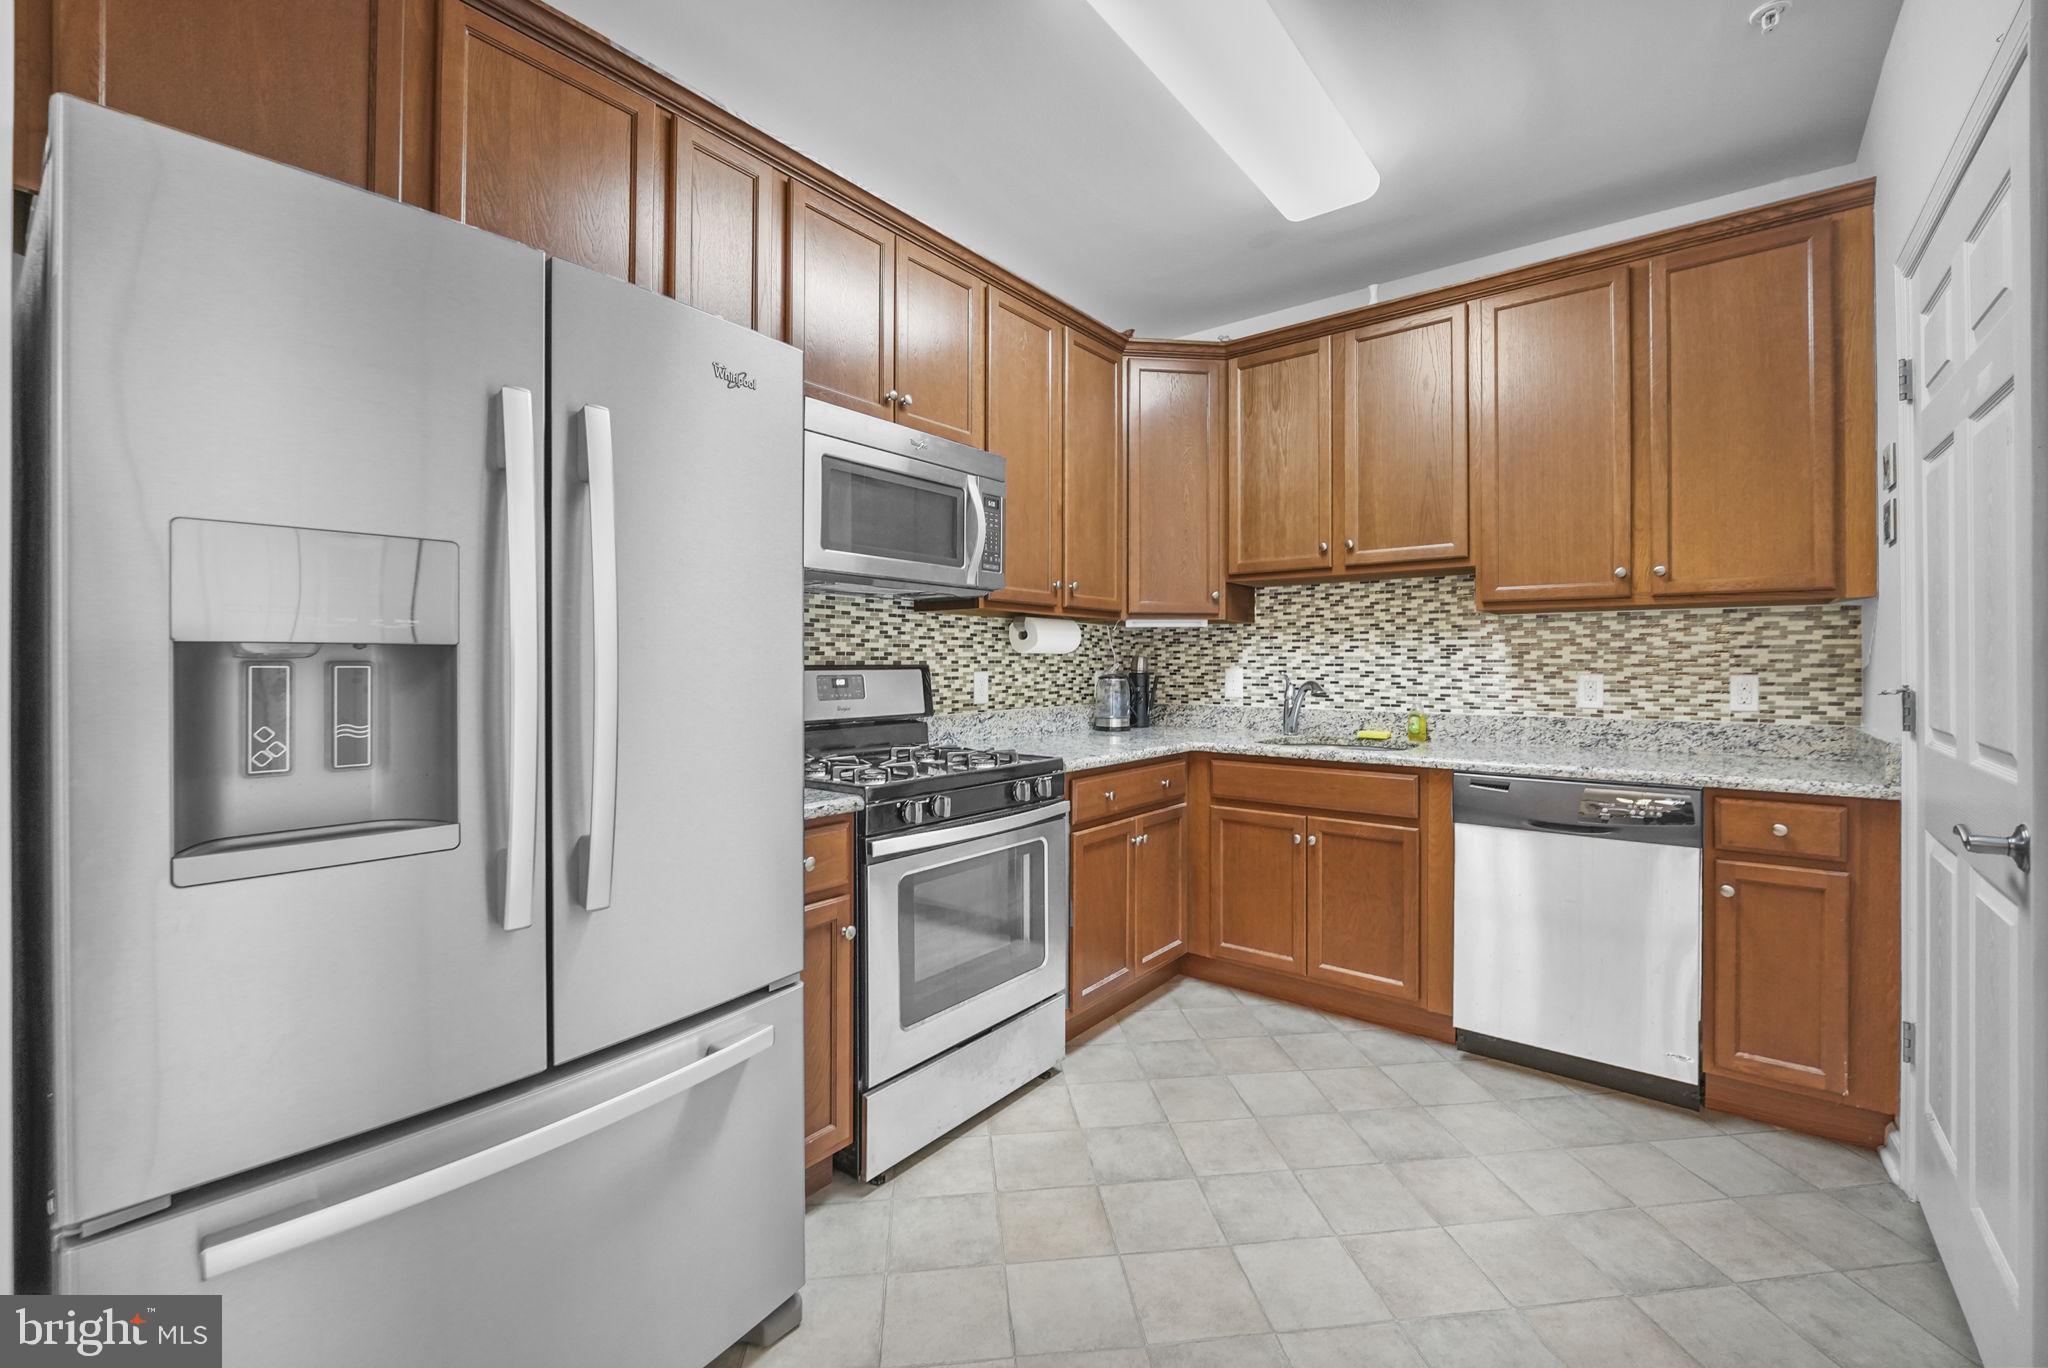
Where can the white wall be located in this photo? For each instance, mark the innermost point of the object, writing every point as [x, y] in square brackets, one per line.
[1533, 252]
[1939, 54]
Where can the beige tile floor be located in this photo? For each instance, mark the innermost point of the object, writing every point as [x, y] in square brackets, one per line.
[1217, 1180]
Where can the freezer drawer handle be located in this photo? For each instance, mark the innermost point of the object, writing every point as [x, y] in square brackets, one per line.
[596, 471]
[522, 722]
[218, 1257]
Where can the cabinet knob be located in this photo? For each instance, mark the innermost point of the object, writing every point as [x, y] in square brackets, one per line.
[1134, 840]
[1660, 571]
[1350, 544]
[1323, 547]
[1073, 586]
[1621, 572]
[1215, 596]
[810, 864]
[1166, 783]
[1109, 795]
[1311, 840]
[1780, 829]
[890, 397]
[1297, 838]
[905, 400]
[1727, 890]
[1055, 586]
[849, 931]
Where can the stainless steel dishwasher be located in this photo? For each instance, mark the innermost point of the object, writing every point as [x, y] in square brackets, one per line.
[1577, 945]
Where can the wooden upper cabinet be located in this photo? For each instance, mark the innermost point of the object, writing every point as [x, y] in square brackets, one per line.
[1400, 396]
[939, 355]
[842, 302]
[1279, 487]
[1743, 433]
[1258, 869]
[1779, 938]
[1554, 455]
[727, 235]
[313, 86]
[1365, 906]
[1025, 415]
[1159, 887]
[541, 148]
[1099, 951]
[1092, 484]
[1175, 424]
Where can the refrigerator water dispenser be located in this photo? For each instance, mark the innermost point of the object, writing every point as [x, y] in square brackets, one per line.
[314, 698]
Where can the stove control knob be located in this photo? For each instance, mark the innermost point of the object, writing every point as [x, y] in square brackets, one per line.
[1043, 785]
[911, 811]
[1020, 790]
[940, 807]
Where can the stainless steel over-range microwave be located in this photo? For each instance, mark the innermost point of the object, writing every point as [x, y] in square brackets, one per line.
[891, 510]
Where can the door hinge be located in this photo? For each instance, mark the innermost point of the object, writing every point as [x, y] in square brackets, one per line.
[1909, 708]
[1905, 380]
[1905, 1042]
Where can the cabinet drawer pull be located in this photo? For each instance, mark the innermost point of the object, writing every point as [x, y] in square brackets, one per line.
[1727, 890]
[810, 864]
[849, 931]
[1780, 829]
[1109, 795]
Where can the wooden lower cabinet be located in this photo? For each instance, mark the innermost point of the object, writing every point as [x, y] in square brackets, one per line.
[1258, 874]
[1099, 889]
[1159, 888]
[1128, 877]
[1365, 906]
[1781, 974]
[829, 933]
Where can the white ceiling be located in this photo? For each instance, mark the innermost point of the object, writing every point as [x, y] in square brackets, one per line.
[1026, 130]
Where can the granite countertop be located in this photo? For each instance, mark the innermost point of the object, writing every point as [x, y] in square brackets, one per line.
[825, 803]
[1833, 761]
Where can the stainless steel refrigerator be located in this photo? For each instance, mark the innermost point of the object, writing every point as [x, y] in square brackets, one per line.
[410, 628]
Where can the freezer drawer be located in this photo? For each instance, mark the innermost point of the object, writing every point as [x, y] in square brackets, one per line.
[646, 1209]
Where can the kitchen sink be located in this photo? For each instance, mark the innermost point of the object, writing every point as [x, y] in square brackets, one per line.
[1398, 743]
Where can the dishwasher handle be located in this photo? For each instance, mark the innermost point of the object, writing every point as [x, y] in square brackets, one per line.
[1572, 828]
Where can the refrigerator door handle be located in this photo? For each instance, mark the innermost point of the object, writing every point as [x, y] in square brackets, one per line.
[222, 1256]
[596, 470]
[522, 760]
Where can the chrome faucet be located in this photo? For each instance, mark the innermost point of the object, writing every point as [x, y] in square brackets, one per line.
[1293, 694]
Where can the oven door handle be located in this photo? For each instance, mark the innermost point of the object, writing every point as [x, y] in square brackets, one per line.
[904, 843]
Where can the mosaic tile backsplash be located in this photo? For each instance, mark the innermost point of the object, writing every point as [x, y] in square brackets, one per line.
[1395, 644]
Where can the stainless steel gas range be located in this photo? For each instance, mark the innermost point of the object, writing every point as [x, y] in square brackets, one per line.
[962, 913]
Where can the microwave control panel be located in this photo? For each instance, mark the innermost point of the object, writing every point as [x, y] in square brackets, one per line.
[992, 521]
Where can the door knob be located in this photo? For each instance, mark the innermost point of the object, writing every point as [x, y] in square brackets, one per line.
[1727, 890]
[1621, 572]
[2017, 847]
[848, 932]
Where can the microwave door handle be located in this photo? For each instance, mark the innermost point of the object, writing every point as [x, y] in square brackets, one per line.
[595, 468]
[515, 457]
[980, 522]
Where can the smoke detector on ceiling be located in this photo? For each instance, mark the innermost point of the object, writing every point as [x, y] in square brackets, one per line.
[1767, 17]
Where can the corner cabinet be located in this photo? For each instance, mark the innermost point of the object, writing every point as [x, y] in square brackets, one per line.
[1279, 486]
[829, 932]
[1800, 1007]
[1128, 896]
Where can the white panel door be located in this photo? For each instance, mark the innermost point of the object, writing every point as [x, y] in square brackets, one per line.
[1975, 651]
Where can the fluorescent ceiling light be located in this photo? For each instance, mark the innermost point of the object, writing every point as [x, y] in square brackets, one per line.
[1232, 65]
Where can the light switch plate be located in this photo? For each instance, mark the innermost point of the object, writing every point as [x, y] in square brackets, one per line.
[981, 688]
[1744, 694]
[1592, 692]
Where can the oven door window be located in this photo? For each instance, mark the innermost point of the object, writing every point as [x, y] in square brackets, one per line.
[969, 926]
[878, 513]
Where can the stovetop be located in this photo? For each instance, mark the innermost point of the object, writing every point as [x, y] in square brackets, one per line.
[902, 770]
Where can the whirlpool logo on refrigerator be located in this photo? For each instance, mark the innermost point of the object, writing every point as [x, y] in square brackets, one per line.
[168, 1332]
[733, 379]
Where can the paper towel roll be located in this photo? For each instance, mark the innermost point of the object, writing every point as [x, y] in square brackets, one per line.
[1044, 636]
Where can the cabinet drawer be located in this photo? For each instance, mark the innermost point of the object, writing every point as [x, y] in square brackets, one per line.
[1814, 831]
[1335, 788]
[828, 858]
[1097, 796]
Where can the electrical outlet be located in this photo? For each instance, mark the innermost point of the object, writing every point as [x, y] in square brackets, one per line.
[1743, 694]
[981, 688]
[1233, 682]
[1592, 692]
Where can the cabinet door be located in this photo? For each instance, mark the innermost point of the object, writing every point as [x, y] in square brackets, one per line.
[538, 147]
[1743, 462]
[1092, 490]
[1099, 888]
[828, 1029]
[939, 309]
[1554, 455]
[727, 236]
[1400, 397]
[1176, 427]
[1024, 418]
[1778, 938]
[1258, 873]
[1365, 906]
[1280, 459]
[313, 86]
[1159, 887]
[842, 302]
